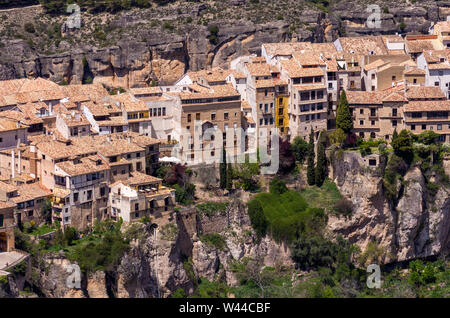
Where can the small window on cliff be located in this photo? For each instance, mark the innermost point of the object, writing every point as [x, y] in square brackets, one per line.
[372, 162]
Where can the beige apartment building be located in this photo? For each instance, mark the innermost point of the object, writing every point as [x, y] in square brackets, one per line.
[384, 71]
[376, 114]
[414, 76]
[428, 115]
[216, 107]
[308, 98]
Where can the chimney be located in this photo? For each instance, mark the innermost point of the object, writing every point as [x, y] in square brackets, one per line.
[13, 164]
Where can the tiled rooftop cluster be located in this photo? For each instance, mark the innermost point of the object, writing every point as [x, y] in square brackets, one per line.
[87, 150]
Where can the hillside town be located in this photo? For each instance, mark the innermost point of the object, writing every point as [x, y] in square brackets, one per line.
[91, 153]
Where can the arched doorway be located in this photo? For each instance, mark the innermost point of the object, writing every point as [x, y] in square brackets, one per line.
[3, 242]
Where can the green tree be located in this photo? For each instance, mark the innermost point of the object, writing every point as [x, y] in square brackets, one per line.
[223, 169]
[321, 166]
[402, 145]
[311, 156]
[344, 118]
[300, 149]
[394, 134]
[257, 218]
[229, 177]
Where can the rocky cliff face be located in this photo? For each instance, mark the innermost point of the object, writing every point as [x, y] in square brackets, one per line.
[415, 227]
[132, 48]
[157, 264]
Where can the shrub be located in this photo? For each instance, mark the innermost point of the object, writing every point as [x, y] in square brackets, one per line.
[145, 220]
[70, 235]
[432, 188]
[184, 194]
[212, 208]
[337, 137]
[29, 27]
[343, 206]
[277, 186]
[365, 150]
[168, 26]
[312, 252]
[214, 240]
[169, 232]
[213, 34]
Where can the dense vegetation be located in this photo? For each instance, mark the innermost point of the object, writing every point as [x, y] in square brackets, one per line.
[283, 213]
[59, 6]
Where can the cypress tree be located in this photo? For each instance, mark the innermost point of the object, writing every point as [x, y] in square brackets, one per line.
[223, 170]
[321, 166]
[344, 118]
[395, 134]
[229, 177]
[310, 170]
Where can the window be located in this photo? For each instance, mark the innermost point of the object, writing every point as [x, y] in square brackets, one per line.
[413, 127]
[373, 112]
[424, 127]
[136, 214]
[415, 81]
[394, 78]
[1, 219]
[394, 123]
[197, 116]
[213, 116]
[136, 206]
[89, 194]
[225, 116]
[138, 155]
[373, 76]
[30, 213]
[372, 122]
[436, 83]
[189, 118]
[265, 92]
[361, 122]
[439, 126]
[102, 191]
[372, 135]
[394, 112]
[373, 88]
[361, 134]
[361, 111]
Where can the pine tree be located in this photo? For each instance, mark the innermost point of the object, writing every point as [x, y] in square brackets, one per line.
[321, 166]
[229, 177]
[344, 118]
[223, 170]
[310, 170]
